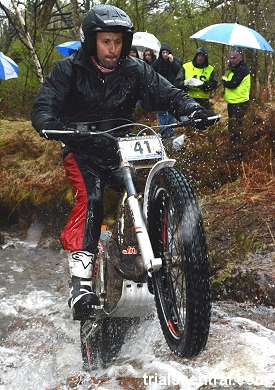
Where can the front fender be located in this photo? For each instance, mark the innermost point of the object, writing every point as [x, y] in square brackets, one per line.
[159, 165]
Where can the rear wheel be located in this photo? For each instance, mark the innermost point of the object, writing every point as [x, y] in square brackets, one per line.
[101, 341]
[181, 286]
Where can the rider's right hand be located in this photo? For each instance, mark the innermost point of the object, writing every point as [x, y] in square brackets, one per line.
[52, 125]
[204, 122]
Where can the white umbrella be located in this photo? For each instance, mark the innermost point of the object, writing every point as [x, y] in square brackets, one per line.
[144, 40]
[8, 68]
[233, 34]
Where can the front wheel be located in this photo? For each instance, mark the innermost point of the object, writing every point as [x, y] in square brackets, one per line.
[182, 285]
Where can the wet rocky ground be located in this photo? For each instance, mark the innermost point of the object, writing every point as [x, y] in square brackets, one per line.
[252, 279]
[25, 269]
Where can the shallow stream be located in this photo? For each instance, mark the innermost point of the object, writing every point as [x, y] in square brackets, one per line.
[40, 348]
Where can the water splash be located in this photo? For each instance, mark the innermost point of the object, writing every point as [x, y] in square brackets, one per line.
[40, 344]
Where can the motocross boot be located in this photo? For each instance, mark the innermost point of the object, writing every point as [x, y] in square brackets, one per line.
[83, 301]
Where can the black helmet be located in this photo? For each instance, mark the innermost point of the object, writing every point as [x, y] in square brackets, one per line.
[105, 18]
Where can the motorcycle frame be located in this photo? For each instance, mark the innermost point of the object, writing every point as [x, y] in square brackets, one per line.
[135, 297]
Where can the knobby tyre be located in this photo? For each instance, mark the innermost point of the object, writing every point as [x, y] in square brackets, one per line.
[182, 285]
[101, 341]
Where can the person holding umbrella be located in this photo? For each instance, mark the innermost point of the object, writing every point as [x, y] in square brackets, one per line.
[236, 84]
[198, 78]
[100, 83]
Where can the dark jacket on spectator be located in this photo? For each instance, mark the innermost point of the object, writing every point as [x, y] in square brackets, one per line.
[166, 68]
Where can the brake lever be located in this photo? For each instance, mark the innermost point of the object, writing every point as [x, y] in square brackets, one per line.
[187, 120]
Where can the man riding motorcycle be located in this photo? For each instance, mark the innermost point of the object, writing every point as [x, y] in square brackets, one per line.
[99, 83]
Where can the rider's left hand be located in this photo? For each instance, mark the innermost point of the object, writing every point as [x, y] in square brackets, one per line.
[204, 122]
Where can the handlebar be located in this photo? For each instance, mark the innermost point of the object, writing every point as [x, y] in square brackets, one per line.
[88, 128]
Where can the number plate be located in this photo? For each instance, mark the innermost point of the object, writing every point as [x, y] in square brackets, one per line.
[140, 147]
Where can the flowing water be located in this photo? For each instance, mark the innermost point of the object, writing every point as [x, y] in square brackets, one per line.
[40, 348]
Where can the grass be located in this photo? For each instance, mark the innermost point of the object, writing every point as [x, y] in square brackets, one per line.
[31, 171]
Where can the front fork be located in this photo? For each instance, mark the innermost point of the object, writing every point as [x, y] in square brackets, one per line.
[151, 263]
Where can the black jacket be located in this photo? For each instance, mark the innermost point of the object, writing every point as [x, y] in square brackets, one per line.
[240, 71]
[135, 50]
[76, 91]
[166, 68]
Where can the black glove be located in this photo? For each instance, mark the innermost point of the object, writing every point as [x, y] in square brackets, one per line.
[52, 125]
[203, 86]
[203, 115]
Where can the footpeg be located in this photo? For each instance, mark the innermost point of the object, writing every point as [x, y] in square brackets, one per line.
[91, 315]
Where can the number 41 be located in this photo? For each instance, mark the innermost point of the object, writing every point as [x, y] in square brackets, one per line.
[139, 148]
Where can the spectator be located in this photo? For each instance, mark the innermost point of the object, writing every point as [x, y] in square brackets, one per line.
[99, 83]
[236, 84]
[168, 66]
[149, 57]
[133, 52]
[198, 78]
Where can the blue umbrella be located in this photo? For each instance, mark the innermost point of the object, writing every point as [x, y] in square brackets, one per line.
[8, 68]
[68, 48]
[233, 34]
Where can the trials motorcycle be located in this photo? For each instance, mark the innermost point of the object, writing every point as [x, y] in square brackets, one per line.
[155, 256]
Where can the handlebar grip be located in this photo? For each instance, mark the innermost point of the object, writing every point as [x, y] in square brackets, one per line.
[215, 117]
[57, 131]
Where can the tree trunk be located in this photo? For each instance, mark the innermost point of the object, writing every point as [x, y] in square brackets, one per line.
[270, 67]
[45, 15]
[77, 17]
[29, 43]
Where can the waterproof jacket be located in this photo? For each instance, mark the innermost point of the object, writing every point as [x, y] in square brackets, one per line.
[77, 91]
[237, 84]
[203, 72]
[135, 50]
[166, 68]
